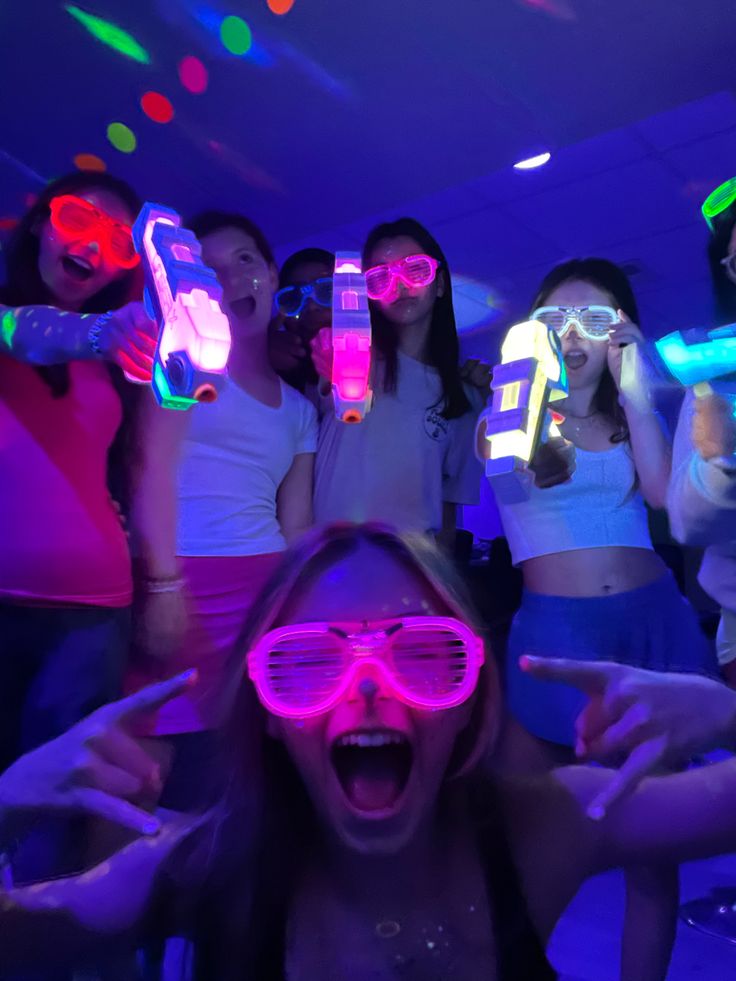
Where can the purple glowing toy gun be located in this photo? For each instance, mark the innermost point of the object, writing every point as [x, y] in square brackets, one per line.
[351, 339]
[183, 296]
[530, 376]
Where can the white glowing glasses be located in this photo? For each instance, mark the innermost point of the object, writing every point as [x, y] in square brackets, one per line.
[305, 669]
[593, 322]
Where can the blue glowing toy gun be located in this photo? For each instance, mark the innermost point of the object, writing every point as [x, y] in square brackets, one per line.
[696, 357]
[530, 376]
[183, 296]
[351, 339]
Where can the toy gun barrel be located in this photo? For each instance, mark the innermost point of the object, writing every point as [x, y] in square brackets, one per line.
[530, 376]
[698, 355]
[183, 296]
[351, 339]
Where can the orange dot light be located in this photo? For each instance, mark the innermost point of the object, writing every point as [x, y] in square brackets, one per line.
[280, 7]
[89, 161]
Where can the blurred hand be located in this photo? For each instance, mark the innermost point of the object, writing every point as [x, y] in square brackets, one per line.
[98, 766]
[128, 339]
[553, 463]
[322, 353]
[647, 719]
[286, 350]
[161, 624]
[477, 373]
[713, 427]
[622, 335]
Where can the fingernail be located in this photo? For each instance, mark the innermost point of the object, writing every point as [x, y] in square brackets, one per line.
[151, 827]
[190, 676]
[596, 812]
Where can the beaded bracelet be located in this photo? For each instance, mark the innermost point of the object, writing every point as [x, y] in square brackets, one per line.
[93, 336]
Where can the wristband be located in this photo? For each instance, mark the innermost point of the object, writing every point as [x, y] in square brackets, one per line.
[170, 585]
[94, 332]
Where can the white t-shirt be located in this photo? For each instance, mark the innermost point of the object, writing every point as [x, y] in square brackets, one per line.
[235, 455]
[402, 462]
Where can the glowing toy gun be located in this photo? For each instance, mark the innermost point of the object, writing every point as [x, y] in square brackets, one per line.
[698, 356]
[531, 375]
[183, 296]
[351, 340]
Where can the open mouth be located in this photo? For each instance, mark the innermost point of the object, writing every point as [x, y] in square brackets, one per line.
[575, 359]
[373, 768]
[77, 268]
[244, 307]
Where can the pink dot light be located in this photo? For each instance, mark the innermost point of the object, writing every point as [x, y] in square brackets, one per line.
[193, 75]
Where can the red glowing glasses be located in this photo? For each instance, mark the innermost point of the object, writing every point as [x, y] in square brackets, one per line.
[75, 218]
[414, 270]
[305, 669]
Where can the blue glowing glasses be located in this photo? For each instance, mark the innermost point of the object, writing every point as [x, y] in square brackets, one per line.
[291, 300]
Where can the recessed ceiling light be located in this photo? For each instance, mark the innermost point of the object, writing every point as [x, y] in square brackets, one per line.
[531, 163]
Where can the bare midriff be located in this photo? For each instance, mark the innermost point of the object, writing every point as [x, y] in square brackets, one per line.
[592, 571]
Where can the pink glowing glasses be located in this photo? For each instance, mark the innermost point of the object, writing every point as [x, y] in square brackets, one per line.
[413, 271]
[306, 669]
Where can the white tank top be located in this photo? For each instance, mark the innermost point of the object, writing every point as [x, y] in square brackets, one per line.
[599, 507]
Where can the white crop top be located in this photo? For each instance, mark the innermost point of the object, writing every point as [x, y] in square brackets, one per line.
[599, 507]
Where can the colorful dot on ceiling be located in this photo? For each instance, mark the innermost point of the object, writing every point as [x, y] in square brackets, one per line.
[7, 224]
[235, 35]
[121, 137]
[30, 199]
[280, 6]
[110, 34]
[89, 161]
[193, 75]
[157, 107]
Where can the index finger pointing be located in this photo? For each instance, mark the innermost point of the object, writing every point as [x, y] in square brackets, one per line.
[588, 677]
[152, 697]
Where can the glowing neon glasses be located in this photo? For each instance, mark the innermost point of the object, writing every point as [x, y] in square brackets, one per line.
[77, 219]
[719, 201]
[593, 322]
[291, 300]
[305, 669]
[413, 271]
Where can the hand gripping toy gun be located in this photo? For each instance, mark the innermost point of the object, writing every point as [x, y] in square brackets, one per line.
[183, 296]
[530, 376]
[351, 339]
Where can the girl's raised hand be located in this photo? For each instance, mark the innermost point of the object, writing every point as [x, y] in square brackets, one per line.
[647, 719]
[321, 346]
[98, 766]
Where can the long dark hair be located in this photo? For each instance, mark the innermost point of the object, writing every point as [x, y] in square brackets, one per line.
[443, 348]
[238, 923]
[724, 291]
[24, 285]
[610, 278]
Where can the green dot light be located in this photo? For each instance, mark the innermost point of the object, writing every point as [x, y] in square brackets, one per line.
[110, 34]
[121, 137]
[236, 35]
[718, 200]
[8, 327]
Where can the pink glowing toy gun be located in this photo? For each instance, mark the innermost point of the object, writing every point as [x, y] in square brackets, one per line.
[351, 339]
[183, 296]
[530, 376]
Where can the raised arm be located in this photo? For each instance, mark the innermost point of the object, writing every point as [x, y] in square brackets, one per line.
[294, 498]
[160, 434]
[44, 335]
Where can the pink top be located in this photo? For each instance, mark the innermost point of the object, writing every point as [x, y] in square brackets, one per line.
[61, 540]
